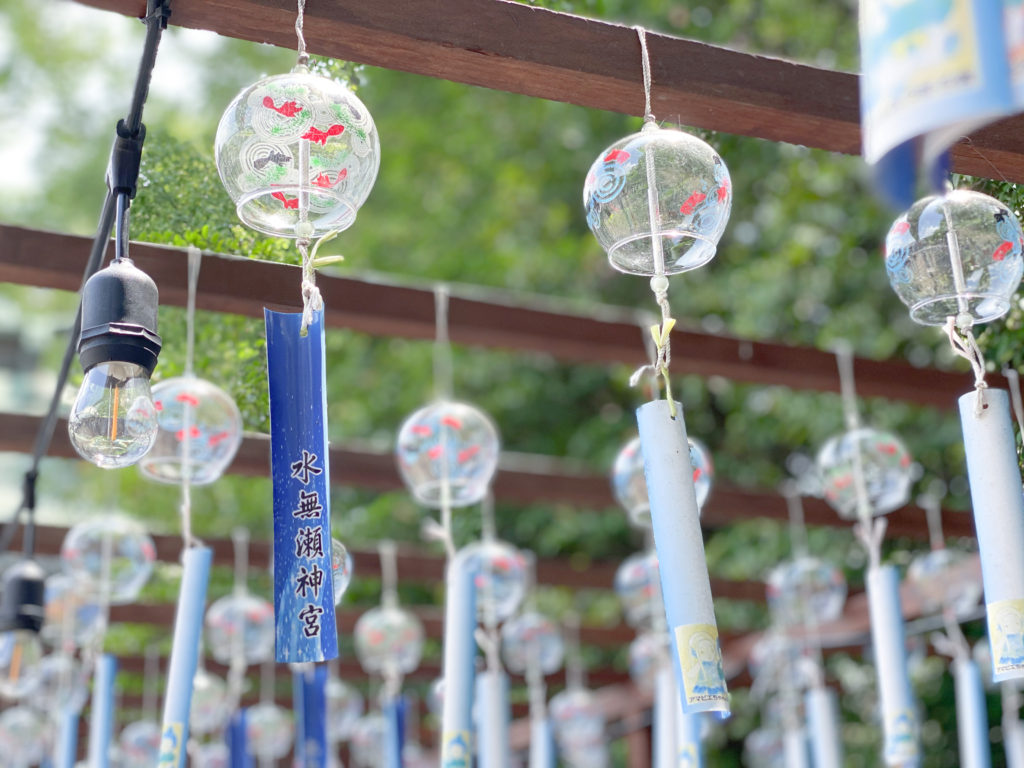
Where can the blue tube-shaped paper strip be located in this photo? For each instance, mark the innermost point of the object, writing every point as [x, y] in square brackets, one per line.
[312, 687]
[690, 749]
[459, 656]
[971, 715]
[238, 743]
[899, 711]
[663, 730]
[303, 587]
[542, 743]
[823, 724]
[66, 749]
[101, 719]
[696, 653]
[1013, 742]
[492, 722]
[188, 623]
[394, 732]
[794, 744]
[999, 520]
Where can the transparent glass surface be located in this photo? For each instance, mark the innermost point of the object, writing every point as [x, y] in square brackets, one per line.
[113, 422]
[638, 585]
[209, 703]
[297, 147]
[886, 465]
[240, 623]
[805, 591]
[71, 618]
[939, 578]
[447, 443]
[532, 636]
[212, 755]
[341, 569]
[387, 638]
[198, 414]
[21, 654]
[132, 554]
[500, 579]
[344, 706]
[140, 744]
[366, 747]
[647, 654]
[577, 719]
[630, 485]
[62, 683]
[955, 254]
[23, 736]
[270, 731]
[692, 198]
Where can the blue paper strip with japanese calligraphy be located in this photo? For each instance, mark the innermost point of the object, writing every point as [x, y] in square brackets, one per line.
[303, 588]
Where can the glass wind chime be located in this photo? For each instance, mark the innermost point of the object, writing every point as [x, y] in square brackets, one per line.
[865, 474]
[658, 202]
[577, 717]
[298, 154]
[955, 260]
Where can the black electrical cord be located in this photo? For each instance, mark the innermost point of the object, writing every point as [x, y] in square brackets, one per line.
[122, 176]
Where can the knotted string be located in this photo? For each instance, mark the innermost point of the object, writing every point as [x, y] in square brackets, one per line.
[963, 344]
[300, 20]
[185, 508]
[645, 61]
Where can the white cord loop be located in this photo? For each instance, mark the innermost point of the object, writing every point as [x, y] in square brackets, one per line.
[963, 344]
[311, 299]
[646, 62]
[300, 20]
[870, 534]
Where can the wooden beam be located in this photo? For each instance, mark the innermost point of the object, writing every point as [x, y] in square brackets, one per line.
[510, 46]
[611, 335]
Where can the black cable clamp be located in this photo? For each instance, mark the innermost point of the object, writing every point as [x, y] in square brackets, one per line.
[161, 9]
[125, 159]
[28, 490]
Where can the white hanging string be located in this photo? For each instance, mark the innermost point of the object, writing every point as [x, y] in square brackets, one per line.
[797, 528]
[1013, 378]
[488, 638]
[931, 503]
[575, 672]
[388, 573]
[300, 21]
[194, 262]
[236, 669]
[195, 258]
[645, 61]
[963, 344]
[149, 683]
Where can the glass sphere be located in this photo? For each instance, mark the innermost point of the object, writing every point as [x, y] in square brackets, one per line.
[692, 194]
[112, 422]
[388, 638]
[298, 154]
[23, 737]
[341, 569]
[938, 578]
[804, 591]
[214, 431]
[447, 441]
[648, 653]
[269, 731]
[577, 718]
[366, 746]
[630, 485]
[209, 703]
[68, 613]
[344, 707]
[764, 748]
[638, 584]
[772, 656]
[140, 744]
[885, 463]
[240, 623]
[435, 697]
[21, 655]
[500, 579]
[919, 258]
[62, 683]
[532, 636]
[132, 553]
[212, 755]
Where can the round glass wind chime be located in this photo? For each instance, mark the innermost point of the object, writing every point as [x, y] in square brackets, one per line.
[658, 202]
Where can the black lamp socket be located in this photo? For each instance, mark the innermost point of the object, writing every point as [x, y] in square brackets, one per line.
[22, 601]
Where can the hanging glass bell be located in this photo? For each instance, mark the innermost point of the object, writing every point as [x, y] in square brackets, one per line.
[388, 638]
[132, 554]
[194, 410]
[500, 580]
[638, 585]
[344, 707]
[269, 730]
[630, 485]
[298, 154]
[886, 465]
[938, 577]
[140, 744]
[648, 653]
[240, 623]
[532, 636]
[805, 590]
[447, 444]
[955, 255]
[680, 178]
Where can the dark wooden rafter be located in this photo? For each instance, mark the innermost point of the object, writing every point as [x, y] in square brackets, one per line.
[510, 46]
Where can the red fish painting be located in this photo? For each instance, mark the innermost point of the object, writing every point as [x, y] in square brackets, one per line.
[287, 109]
[288, 202]
[692, 202]
[317, 136]
[1003, 249]
[324, 181]
[616, 156]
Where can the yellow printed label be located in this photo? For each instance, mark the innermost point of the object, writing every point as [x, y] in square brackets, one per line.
[901, 742]
[700, 659]
[1006, 634]
[171, 746]
[687, 757]
[455, 751]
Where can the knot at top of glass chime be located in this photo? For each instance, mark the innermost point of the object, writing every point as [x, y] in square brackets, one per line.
[344, 707]
[532, 637]
[298, 154]
[389, 639]
[648, 653]
[941, 578]
[630, 485]
[691, 198]
[500, 578]
[805, 590]
[955, 255]
[132, 554]
[240, 623]
[884, 461]
[447, 451]
[638, 585]
[202, 414]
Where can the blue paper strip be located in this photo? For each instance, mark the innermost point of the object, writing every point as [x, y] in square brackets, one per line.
[971, 715]
[101, 724]
[459, 658]
[311, 687]
[493, 715]
[238, 743]
[66, 752]
[393, 711]
[303, 588]
[542, 743]
[188, 623]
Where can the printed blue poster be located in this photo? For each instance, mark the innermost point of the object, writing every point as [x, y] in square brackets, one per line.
[303, 587]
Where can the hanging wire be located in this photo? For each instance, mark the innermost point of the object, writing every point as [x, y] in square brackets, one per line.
[195, 260]
[797, 528]
[645, 61]
[488, 638]
[963, 344]
[443, 369]
[300, 21]
[1013, 379]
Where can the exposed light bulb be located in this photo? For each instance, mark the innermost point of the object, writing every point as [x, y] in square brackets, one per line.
[113, 422]
[20, 655]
